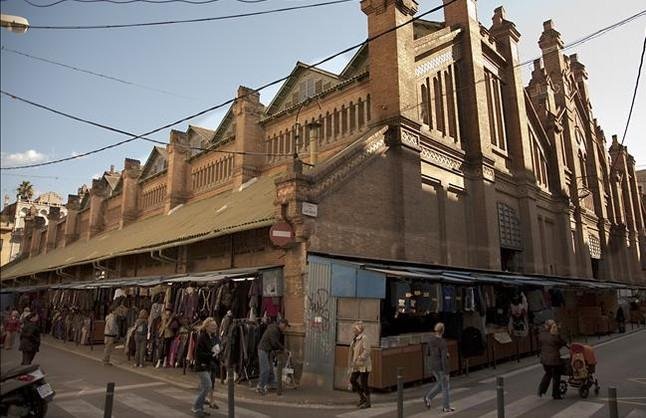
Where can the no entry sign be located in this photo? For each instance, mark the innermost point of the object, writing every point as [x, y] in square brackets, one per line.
[281, 234]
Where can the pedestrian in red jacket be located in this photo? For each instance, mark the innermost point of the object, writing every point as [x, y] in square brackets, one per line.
[12, 328]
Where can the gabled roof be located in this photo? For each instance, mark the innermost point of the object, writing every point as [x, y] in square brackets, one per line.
[112, 180]
[423, 27]
[241, 209]
[226, 127]
[299, 70]
[358, 63]
[155, 154]
[204, 133]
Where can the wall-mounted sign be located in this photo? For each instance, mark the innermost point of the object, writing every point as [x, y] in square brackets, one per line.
[310, 209]
[281, 234]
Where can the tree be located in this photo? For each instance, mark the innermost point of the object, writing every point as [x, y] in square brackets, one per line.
[25, 190]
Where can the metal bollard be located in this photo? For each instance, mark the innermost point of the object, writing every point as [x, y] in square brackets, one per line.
[500, 391]
[280, 361]
[612, 402]
[231, 392]
[109, 400]
[400, 393]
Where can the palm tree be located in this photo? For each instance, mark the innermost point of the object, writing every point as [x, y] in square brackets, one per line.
[25, 190]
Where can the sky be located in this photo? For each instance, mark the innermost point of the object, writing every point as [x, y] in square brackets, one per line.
[178, 70]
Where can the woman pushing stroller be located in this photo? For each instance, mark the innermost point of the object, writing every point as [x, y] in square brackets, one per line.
[551, 343]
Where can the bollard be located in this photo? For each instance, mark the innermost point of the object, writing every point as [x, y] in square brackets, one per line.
[231, 392]
[612, 402]
[400, 393]
[500, 391]
[109, 400]
[280, 357]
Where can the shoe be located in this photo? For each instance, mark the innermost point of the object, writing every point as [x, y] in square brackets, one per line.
[213, 405]
[557, 398]
[449, 409]
[364, 405]
[261, 390]
[427, 402]
[197, 412]
[107, 364]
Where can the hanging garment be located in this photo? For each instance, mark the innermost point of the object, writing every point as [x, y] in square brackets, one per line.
[255, 292]
[469, 299]
[271, 306]
[472, 343]
[535, 300]
[518, 324]
[558, 300]
[449, 302]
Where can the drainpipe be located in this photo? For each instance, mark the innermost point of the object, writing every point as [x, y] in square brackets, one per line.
[162, 258]
[60, 273]
[97, 266]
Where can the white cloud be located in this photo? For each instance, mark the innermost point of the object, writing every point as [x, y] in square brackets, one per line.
[19, 158]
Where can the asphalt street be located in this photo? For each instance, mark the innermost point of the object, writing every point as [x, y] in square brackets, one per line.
[80, 386]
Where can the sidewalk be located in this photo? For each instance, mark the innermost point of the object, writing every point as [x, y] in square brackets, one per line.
[308, 396]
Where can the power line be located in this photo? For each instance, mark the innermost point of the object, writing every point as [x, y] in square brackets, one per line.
[203, 19]
[198, 2]
[112, 129]
[593, 35]
[200, 113]
[108, 77]
[632, 104]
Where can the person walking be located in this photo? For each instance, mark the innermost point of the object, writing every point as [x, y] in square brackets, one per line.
[216, 343]
[621, 320]
[11, 328]
[439, 354]
[360, 364]
[24, 315]
[30, 338]
[551, 343]
[269, 343]
[110, 334]
[141, 338]
[204, 359]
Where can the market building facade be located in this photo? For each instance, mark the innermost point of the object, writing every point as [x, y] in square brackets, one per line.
[427, 159]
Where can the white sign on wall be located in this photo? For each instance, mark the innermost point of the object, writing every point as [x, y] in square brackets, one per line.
[310, 209]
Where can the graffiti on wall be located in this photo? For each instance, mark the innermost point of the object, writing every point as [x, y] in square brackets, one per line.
[319, 311]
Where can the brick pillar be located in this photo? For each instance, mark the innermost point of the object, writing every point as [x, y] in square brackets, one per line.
[482, 235]
[391, 59]
[178, 174]
[98, 196]
[249, 135]
[129, 191]
[52, 226]
[518, 140]
[73, 205]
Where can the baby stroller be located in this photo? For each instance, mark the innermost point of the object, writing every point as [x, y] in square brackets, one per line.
[581, 368]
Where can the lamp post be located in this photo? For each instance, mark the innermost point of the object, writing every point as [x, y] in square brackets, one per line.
[15, 24]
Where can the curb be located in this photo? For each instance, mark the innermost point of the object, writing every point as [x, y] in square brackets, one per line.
[412, 398]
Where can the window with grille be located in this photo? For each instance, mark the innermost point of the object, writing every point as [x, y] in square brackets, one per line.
[595, 247]
[509, 227]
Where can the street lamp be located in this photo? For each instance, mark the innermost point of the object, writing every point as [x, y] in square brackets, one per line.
[14, 23]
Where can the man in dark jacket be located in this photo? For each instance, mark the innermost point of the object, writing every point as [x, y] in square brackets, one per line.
[270, 342]
[439, 353]
[30, 338]
[551, 343]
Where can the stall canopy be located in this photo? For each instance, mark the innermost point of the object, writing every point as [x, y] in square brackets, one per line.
[245, 208]
[466, 277]
[149, 281]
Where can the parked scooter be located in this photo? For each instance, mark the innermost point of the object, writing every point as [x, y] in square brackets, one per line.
[24, 392]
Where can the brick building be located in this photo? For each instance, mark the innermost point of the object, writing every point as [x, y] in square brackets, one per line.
[12, 221]
[427, 148]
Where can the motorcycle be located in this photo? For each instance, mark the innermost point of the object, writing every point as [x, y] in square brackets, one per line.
[24, 392]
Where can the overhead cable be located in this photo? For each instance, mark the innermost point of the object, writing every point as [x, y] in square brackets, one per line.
[197, 20]
[632, 103]
[198, 2]
[108, 77]
[593, 35]
[202, 112]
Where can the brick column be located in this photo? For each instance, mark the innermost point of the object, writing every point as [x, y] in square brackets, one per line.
[129, 191]
[249, 135]
[52, 226]
[178, 174]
